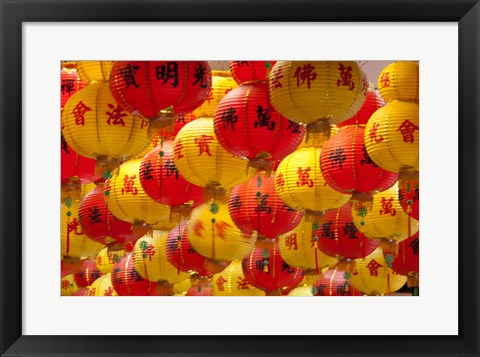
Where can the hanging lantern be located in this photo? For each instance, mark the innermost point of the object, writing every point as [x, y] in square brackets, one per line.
[299, 248]
[162, 182]
[160, 90]
[107, 258]
[384, 219]
[232, 282]
[409, 192]
[317, 93]
[96, 127]
[127, 200]
[212, 233]
[68, 287]
[399, 81]
[151, 260]
[70, 83]
[246, 125]
[347, 168]
[392, 136]
[249, 71]
[182, 256]
[201, 160]
[102, 287]
[94, 71]
[406, 260]
[74, 168]
[87, 274]
[300, 184]
[372, 276]
[335, 283]
[128, 282]
[222, 84]
[265, 269]
[255, 206]
[373, 101]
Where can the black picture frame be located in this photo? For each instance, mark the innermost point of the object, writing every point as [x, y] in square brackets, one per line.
[15, 12]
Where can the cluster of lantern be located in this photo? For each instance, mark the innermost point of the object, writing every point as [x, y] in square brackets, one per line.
[273, 178]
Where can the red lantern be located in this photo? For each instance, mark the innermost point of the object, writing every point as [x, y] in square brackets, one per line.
[347, 167]
[202, 287]
[255, 206]
[338, 237]
[246, 125]
[335, 283]
[247, 71]
[162, 182]
[265, 269]
[127, 282]
[101, 225]
[181, 254]
[406, 260]
[70, 84]
[81, 292]
[159, 90]
[87, 274]
[76, 167]
[370, 106]
[409, 193]
[70, 266]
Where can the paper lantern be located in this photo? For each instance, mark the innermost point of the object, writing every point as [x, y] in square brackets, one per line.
[265, 268]
[373, 101]
[75, 167]
[222, 84]
[212, 233]
[392, 136]
[409, 192]
[82, 291]
[162, 182]
[255, 206]
[300, 184]
[68, 287]
[95, 126]
[335, 283]
[373, 276]
[127, 200]
[248, 71]
[406, 260]
[247, 125]
[302, 291]
[107, 258]
[102, 287]
[128, 282]
[160, 90]
[181, 254]
[182, 286]
[202, 287]
[399, 81]
[384, 218]
[232, 282]
[347, 168]
[87, 274]
[299, 248]
[70, 83]
[151, 260]
[92, 71]
[201, 160]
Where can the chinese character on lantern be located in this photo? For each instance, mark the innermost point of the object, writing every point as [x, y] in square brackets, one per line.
[198, 228]
[220, 281]
[94, 215]
[229, 118]
[148, 250]
[387, 207]
[242, 284]
[79, 113]
[345, 77]
[108, 292]
[407, 128]
[287, 267]
[373, 134]
[350, 230]
[209, 97]
[170, 169]
[304, 177]
[327, 231]
[291, 241]
[200, 75]
[337, 157]
[263, 204]
[75, 227]
[129, 185]
[366, 158]
[263, 119]
[147, 171]
[116, 115]
[134, 275]
[128, 74]
[305, 73]
[168, 72]
[220, 227]
[203, 144]
[321, 289]
[236, 203]
[279, 180]
[294, 126]
[275, 77]
[67, 86]
[178, 149]
[385, 80]
[342, 289]
[415, 246]
[65, 146]
[373, 267]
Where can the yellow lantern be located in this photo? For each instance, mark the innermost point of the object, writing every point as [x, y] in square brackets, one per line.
[384, 218]
[182, 287]
[74, 243]
[212, 233]
[222, 83]
[300, 184]
[232, 282]
[126, 199]
[302, 291]
[299, 248]
[90, 71]
[201, 159]
[68, 285]
[399, 81]
[102, 287]
[373, 276]
[95, 126]
[150, 259]
[392, 136]
[106, 259]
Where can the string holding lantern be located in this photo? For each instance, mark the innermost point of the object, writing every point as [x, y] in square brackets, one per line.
[128, 282]
[335, 283]
[399, 81]
[160, 90]
[373, 101]
[88, 273]
[232, 282]
[94, 71]
[70, 83]
[249, 71]
[102, 287]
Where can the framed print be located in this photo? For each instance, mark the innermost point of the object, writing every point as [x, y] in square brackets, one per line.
[437, 41]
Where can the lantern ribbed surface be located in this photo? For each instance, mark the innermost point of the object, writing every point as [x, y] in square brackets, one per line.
[106, 259]
[373, 101]
[70, 83]
[248, 71]
[392, 136]
[406, 261]
[232, 282]
[68, 287]
[409, 193]
[93, 71]
[128, 282]
[333, 283]
[102, 287]
[347, 167]
[75, 166]
[399, 81]
[88, 273]
[307, 91]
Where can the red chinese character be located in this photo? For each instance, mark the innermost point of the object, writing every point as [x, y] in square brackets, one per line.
[220, 281]
[373, 134]
[65, 284]
[387, 207]
[291, 241]
[407, 129]
[220, 227]
[202, 143]
[109, 291]
[373, 267]
[304, 177]
[275, 77]
[209, 96]
[99, 260]
[75, 227]
[385, 80]
[111, 258]
[242, 284]
[79, 113]
[129, 185]
[91, 292]
[198, 228]
[144, 123]
[305, 73]
[178, 149]
[116, 115]
[279, 181]
[345, 77]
